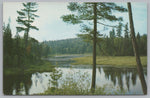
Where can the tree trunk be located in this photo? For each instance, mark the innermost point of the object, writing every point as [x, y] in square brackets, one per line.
[94, 48]
[28, 27]
[26, 40]
[135, 48]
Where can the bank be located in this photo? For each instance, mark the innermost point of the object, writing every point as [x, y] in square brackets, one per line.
[44, 66]
[113, 61]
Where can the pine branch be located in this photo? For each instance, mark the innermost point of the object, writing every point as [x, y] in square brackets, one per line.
[107, 25]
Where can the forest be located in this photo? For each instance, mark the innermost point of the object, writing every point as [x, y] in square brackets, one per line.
[109, 46]
[14, 50]
[30, 61]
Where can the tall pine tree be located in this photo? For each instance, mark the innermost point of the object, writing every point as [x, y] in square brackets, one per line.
[26, 18]
[136, 49]
[93, 13]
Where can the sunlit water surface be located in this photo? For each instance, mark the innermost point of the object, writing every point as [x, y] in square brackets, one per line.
[124, 80]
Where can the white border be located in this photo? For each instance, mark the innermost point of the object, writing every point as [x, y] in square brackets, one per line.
[124, 96]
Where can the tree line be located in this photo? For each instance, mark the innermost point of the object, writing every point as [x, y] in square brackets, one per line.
[68, 46]
[14, 50]
[117, 43]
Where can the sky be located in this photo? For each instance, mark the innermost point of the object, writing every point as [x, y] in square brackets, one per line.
[51, 26]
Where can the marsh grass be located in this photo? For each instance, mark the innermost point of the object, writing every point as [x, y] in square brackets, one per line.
[116, 61]
[45, 66]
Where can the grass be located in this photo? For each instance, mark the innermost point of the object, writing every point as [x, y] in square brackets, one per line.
[45, 66]
[11, 71]
[116, 61]
[85, 54]
[72, 91]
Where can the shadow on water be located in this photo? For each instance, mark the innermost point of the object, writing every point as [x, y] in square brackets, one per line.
[124, 78]
[17, 84]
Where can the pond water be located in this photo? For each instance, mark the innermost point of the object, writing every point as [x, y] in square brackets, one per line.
[113, 79]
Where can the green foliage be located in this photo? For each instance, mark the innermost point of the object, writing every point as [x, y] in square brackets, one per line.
[84, 12]
[44, 66]
[74, 19]
[40, 67]
[77, 84]
[46, 49]
[107, 46]
[19, 51]
[119, 29]
[55, 76]
[68, 46]
[126, 34]
[76, 91]
[121, 45]
[15, 57]
[7, 46]
[112, 33]
[26, 17]
[142, 44]
[92, 13]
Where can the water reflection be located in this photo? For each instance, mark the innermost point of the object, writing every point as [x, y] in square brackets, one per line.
[17, 84]
[123, 76]
[124, 79]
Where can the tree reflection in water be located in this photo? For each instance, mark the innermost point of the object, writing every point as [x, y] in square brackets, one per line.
[121, 76]
[124, 79]
[20, 83]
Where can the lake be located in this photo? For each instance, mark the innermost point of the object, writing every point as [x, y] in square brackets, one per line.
[124, 80]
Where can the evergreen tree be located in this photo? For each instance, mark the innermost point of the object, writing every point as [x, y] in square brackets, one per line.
[92, 12]
[126, 34]
[138, 37]
[26, 18]
[18, 51]
[7, 46]
[126, 41]
[143, 45]
[112, 33]
[119, 29]
[135, 47]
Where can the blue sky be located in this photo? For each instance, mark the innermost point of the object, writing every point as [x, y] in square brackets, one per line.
[51, 26]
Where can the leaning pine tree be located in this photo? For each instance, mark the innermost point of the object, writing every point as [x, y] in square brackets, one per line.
[26, 18]
[136, 51]
[92, 13]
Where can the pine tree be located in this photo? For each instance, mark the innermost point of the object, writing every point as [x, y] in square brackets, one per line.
[7, 46]
[112, 33]
[26, 18]
[119, 29]
[135, 48]
[126, 34]
[92, 12]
